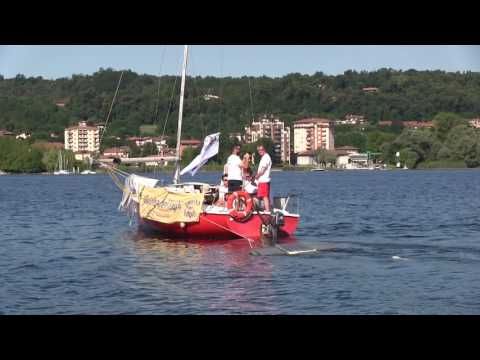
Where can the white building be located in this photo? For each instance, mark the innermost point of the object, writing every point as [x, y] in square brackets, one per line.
[274, 129]
[351, 119]
[312, 134]
[23, 136]
[83, 155]
[117, 152]
[349, 158]
[236, 137]
[306, 158]
[475, 123]
[82, 138]
[159, 141]
[209, 97]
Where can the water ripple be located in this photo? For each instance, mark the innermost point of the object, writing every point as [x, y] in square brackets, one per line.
[66, 250]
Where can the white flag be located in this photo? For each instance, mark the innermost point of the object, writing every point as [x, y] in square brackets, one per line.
[210, 149]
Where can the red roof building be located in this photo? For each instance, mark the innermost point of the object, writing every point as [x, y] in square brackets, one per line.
[189, 144]
[4, 132]
[418, 124]
[408, 124]
[160, 141]
[117, 152]
[475, 123]
[346, 150]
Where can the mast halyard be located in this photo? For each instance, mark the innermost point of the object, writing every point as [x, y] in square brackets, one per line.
[176, 177]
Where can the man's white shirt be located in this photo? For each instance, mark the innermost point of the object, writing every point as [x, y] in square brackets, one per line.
[265, 163]
[233, 167]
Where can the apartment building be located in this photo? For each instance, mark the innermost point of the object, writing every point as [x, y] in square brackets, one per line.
[275, 129]
[312, 134]
[82, 138]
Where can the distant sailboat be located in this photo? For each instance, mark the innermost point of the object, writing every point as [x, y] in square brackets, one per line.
[61, 165]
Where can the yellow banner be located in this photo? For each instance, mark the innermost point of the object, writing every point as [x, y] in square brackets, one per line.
[168, 207]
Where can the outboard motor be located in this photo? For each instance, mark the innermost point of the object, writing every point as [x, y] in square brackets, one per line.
[270, 231]
[278, 219]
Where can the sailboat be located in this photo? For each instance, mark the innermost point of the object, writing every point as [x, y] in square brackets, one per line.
[188, 210]
[61, 165]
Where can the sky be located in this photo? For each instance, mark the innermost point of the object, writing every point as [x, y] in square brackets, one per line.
[56, 61]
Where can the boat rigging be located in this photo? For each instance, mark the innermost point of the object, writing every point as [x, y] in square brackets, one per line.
[188, 210]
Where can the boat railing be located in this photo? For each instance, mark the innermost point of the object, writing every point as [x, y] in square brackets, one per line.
[290, 203]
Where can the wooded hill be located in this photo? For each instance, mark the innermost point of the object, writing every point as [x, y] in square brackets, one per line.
[29, 104]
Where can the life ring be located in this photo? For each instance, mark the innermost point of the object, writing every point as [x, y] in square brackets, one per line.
[234, 210]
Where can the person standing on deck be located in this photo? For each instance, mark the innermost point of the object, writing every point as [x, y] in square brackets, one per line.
[263, 176]
[234, 170]
[222, 191]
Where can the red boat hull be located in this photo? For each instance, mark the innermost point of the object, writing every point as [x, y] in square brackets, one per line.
[219, 226]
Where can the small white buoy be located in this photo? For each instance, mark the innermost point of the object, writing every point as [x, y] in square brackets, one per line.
[398, 258]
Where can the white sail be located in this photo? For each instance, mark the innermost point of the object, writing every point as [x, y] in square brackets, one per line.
[209, 150]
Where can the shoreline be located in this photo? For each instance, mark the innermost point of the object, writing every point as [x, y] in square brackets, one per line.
[273, 170]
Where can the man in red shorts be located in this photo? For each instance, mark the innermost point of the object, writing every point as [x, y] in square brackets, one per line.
[263, 177]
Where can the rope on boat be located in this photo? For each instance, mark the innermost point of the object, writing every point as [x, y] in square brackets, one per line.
[251, 99]
[170, 104]
[230, 230]
[121, 172]
[155, 115]
[111, 108]
[114, 174]
[115, 179]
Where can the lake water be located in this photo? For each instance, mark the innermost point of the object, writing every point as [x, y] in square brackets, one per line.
[407, 242]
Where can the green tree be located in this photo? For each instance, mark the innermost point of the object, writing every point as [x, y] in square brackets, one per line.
[376, 139]
[324, 157]
[17, 156]
[149, 149]
[422, 142]
[188, 154]
[444, 122]
[135, 151]
[409, 157]
[351, 138]
[50, 160]
[462, 142]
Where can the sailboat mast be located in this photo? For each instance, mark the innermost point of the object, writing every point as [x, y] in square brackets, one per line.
[176, 177]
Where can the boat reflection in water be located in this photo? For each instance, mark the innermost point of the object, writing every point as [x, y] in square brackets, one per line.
[236, 248]
[222, 272]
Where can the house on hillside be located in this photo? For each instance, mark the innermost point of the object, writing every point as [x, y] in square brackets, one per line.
[23, 136]
[194, 144]
[5, 133]
[475, 123]
[117, 152]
